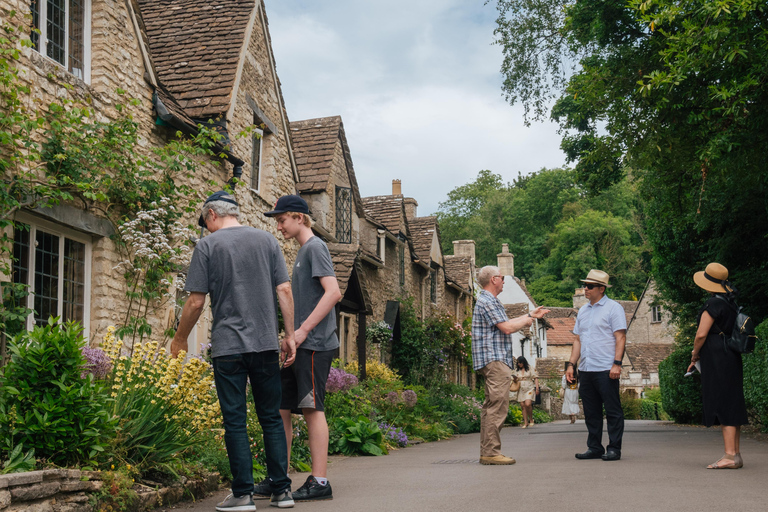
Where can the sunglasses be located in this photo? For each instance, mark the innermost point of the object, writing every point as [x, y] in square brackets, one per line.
[589, 286]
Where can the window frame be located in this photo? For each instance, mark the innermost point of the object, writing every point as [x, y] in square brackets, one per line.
[41, 45]
[433, 285]
[256, 171]
[656, 314]
[63, 233]
[344, 236]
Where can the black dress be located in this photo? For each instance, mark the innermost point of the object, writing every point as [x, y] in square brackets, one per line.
[722, 374]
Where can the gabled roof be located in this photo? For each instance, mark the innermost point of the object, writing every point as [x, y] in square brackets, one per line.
[422, 233]
[314, 144]
[629, 308]
[196, 49]
[458, 270]
[562, 331]
[343, 264]
[386, 210]
[645, 357]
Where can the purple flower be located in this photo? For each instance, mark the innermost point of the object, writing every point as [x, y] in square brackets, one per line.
[393, 398]
[339, 380]
[97, 363]
[409, 397]
[393, 433]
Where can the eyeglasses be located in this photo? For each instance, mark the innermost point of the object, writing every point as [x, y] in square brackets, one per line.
[589, 286]
[500, 276]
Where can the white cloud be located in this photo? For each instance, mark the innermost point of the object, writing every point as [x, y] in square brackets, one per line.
[418, 87]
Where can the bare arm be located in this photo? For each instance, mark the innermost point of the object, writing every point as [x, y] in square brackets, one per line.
[575, 354]
[193, 308]
[515, 324]
[705, 324]
[621, 341]
[288, 345]
[325, 305]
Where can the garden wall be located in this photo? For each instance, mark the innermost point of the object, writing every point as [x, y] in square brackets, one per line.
[72, 490]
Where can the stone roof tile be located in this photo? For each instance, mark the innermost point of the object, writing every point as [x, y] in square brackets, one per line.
[458, 270]
[386, 210]
[422, 233]
[562, 331]
[645, 357]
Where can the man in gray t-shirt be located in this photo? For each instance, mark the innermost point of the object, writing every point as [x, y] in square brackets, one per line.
[243, 270]
[315, 295]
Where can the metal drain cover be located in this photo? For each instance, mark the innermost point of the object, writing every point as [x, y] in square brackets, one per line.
[457, 461]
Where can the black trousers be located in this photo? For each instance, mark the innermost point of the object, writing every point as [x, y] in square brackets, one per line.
[598, 389]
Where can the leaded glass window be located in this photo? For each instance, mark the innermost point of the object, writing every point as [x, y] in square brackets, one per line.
[433, 286]
[63, 32]
[344, 215]
[258, 138]
[402, 264]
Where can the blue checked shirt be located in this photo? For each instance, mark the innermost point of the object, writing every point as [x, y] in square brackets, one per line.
[488, 342]
[595, 326]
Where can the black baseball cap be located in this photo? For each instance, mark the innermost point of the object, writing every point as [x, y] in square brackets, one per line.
[216, 196]
[292, 203]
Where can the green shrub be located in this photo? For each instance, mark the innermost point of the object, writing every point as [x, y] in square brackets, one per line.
[756, 377]
[515, 414]
[46, 403]
[680, 396]
[541, 416]
[359, 436]
[630, 405]
[460, 407]
[652, 410]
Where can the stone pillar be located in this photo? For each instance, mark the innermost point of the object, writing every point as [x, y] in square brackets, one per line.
[464, 249]
[410, 208]
[397, 189]
[506, 261]
[578, 298]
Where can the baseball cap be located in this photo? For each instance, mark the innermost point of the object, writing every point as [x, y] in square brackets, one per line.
[292, 203]
[216, 196]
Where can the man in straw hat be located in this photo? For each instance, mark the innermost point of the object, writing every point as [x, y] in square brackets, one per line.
[601, 333]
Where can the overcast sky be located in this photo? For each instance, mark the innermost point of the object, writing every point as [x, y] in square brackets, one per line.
[418, 87]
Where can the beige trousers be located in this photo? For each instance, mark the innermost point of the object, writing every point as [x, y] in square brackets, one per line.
[498, 377]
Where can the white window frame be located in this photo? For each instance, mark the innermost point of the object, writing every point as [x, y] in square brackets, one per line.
[656, 314]
[62, 232]
[257, 141]
[42, 43]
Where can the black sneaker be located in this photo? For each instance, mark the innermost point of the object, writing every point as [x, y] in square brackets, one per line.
[282, 500]
[263, 489]
[312, 491]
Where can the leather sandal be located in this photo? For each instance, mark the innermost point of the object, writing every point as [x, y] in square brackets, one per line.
[736, 464]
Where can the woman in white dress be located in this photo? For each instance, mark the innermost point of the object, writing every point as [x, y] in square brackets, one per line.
[570, 397]
[529, 387]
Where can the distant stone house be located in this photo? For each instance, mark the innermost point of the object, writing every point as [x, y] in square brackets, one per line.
[186, 62]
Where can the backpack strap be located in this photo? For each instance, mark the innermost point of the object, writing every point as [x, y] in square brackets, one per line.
[735, 307]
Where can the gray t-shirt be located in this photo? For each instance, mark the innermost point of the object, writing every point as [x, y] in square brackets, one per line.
[240, 267]
[312, 263]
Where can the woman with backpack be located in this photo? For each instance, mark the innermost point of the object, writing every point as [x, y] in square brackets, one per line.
[722, 378]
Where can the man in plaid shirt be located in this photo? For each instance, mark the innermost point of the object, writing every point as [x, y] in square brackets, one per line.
[492, 357]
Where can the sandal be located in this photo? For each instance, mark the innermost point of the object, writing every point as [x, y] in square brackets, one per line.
[736, 464]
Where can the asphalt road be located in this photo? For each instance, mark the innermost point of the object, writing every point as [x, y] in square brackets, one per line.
[662, 469]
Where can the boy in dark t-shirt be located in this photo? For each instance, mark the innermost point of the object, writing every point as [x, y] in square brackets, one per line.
[315, 294]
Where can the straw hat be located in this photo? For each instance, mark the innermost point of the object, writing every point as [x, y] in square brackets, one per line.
[713, 279]
[597, 277]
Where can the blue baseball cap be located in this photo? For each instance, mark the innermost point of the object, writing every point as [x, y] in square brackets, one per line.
[216, 196]
[292, 203]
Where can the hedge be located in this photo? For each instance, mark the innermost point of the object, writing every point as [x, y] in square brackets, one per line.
[756, 377]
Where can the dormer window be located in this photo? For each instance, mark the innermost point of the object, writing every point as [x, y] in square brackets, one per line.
[64, 33]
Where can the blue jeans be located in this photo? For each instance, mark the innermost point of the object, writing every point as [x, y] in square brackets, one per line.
[231, 374]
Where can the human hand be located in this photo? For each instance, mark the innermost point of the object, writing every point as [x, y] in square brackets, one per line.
[300, 336]
[569, 374]
[694, 356]
[539, 312]
[615, 372]
[288, 351]
[177, 346]
[691, 366]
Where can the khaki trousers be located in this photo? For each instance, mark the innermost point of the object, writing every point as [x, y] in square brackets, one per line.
[498, 377]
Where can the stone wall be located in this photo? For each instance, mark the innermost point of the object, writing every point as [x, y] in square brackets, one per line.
[643, 329]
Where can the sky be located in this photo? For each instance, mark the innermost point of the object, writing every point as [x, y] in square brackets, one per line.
[418, 87]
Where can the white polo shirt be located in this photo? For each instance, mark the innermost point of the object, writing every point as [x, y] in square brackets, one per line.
[595, 326]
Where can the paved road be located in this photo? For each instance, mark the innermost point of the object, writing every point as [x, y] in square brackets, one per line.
[662, 469]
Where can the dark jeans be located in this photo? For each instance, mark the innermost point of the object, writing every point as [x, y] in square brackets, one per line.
[231, 374]
[598, 389]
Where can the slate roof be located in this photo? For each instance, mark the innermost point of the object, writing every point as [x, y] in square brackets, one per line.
[516, 310]
[562, 331]
[558, 312]
[629, 308]
[422, 232]
[386, 210]
[458, 270]
[195, 48]
[343, 263]
[645, 357]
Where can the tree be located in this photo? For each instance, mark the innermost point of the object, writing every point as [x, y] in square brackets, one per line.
[678, 91]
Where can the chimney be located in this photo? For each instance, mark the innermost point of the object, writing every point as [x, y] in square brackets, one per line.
[464, 249]
[410, 207]
[397, 189]
[578, 298]
[506, 261]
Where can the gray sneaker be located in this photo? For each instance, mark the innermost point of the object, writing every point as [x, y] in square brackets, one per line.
[232, 504]
[282, 500]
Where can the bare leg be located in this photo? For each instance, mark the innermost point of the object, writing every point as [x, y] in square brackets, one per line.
[525, 414]
[528, 411]
[317, 426]
[286, 415]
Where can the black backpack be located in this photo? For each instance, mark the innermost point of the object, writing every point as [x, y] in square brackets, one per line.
[742, 339]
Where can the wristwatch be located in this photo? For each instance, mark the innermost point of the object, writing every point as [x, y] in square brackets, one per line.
[529, 315]
[617, 362]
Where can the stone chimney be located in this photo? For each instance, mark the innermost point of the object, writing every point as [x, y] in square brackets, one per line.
[410, 208]
[464, 249]
[578, 298]
[506, 261]
[397, 189]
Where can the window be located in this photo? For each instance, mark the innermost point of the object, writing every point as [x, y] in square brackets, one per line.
[258, 139]
[64, 36]
[656, 314]
[402, 264]
[433, 286]
[344, 215]
[346, 342]
[55, 264]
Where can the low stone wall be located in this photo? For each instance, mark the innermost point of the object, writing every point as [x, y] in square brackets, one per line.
[72, 490]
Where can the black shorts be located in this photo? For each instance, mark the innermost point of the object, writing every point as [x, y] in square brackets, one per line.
[304, 381]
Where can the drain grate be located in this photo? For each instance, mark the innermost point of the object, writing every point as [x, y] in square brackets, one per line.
[457, 461]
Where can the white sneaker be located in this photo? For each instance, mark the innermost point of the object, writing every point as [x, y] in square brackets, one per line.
[232, 504]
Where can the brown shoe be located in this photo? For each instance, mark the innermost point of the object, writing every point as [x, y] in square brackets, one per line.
[497, 460]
